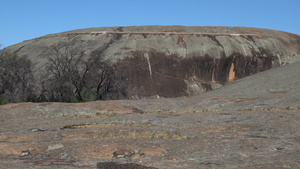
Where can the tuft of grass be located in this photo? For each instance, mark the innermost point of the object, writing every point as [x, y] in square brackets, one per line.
[106, 114]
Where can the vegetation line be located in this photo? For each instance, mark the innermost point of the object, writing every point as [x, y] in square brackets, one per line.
[143, 33]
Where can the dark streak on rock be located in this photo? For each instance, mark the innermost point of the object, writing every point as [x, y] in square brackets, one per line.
[210, 163]
[213, 38]
[114, 165]
[170, 71]
[255, 136]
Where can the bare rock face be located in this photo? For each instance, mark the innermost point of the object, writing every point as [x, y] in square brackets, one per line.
[173, 61]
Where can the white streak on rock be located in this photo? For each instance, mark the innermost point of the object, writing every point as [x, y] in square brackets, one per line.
[279, 59]
[149, 64]
[244, 50]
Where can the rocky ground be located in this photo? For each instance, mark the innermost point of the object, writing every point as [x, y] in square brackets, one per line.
[250, 123]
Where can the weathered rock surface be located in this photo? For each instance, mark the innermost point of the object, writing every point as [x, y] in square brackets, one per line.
[173, 61]
[250, 123]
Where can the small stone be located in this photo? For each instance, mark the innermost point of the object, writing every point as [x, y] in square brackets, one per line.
[36, 130]
[55, 146]
[25, 153]
[137, 151]
[279, 148]
[64, 156]
[187, 137]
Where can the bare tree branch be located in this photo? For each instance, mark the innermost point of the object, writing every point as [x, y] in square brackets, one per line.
[71, 73]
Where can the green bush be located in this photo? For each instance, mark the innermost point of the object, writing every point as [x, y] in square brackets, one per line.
[3, 100]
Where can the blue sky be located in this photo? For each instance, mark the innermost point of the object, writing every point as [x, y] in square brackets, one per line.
[26, 19]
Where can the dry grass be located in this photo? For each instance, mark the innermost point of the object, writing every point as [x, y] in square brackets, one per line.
[270, 109]
[183, 111]
[128, 134]
[226, 128]
[98, 115]
[135, 134]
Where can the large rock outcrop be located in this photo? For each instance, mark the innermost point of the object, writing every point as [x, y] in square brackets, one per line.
[173, 61]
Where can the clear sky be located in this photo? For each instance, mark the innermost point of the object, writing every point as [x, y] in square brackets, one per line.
[26, 19]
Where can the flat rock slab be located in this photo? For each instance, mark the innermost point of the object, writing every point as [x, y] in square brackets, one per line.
[237, 126]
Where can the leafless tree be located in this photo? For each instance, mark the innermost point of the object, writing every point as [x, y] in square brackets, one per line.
[71, 72]
[16, 77]
[63, 63]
